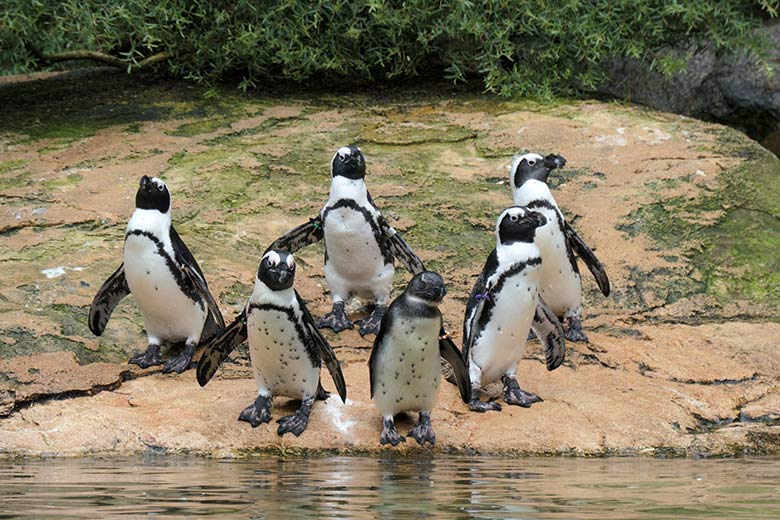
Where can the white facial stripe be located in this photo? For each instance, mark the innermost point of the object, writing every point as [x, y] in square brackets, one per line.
[273, 257]
[344, 151]
[290, 261]
[532, 158]
[158, 183]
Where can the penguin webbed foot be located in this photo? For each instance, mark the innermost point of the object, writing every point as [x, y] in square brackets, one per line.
[297, 422]
[149, 358]
[574, 331]
[422, 431]
[390, 434]
[475, 405]
[181, 362]
[515, 395]
[371, 324]
[336, 319]
[258, 412]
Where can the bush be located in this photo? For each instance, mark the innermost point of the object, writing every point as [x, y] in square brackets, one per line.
[535, 47]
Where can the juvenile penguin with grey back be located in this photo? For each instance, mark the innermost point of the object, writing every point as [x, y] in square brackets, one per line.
[503, 306]
[560, 285]
[404, 364]
[168, 284]
[360, 246]
[285, 346]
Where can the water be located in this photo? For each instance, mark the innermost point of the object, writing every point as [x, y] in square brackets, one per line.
[390, 487]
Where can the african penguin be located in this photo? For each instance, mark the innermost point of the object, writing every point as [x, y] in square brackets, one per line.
[285, 347]
[168, 285]
[360, 246]
[560, 284]
[501, 309]
[404, 364]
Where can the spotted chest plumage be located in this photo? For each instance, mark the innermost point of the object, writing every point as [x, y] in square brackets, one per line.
[408, 367]
[353, 238]
[284, 360]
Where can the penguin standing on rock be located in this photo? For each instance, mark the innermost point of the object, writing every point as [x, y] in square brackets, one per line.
[503, 305]
[167, 282]
[558, 242]
[360, 246]
[285, 347]
[404, 364]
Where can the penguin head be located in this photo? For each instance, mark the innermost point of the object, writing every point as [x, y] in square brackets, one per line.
[532, 166]
[518, 224]
[348, 162]
[428, 286]
[277, 270]
[153, 194]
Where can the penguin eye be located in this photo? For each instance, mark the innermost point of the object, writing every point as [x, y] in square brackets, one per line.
[531, 162]
[160, 187]
[514, 218]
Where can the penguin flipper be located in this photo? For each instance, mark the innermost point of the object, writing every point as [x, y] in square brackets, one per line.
[107, 298]
[583, 251]
[550, 332]
[306, 234]
[203, 291]
[193, 273]
[400, 249]
[476, 303]
[376, 349]
[326, 351]
[219, 348]
[450, 352]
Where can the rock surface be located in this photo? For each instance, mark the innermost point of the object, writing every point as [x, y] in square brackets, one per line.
[712, 85]
[683, 358]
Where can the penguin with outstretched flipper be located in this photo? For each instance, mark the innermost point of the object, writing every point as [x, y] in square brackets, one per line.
[168, 284]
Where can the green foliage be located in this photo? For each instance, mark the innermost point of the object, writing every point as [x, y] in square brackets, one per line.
[534, 47]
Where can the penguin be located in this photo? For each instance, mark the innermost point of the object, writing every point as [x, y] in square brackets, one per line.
[404, 363]
[503, 306]
[167, 282]
[285, 347]
[558, 242]
[360, 246]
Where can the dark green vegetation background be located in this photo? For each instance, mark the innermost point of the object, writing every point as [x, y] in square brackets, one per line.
[537, 47]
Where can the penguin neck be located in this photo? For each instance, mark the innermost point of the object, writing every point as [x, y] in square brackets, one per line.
[150, 220]
[344, 188]
[516, 252]
[262, 294]
[530, 191]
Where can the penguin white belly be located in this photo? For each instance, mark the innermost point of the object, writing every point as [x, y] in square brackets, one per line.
[355, 263]
[409, 368]
[279, 359]
[560, 285]
[501, 344]
[168, 313]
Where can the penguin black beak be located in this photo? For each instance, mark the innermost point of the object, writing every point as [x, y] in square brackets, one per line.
[442, 292]
[146, 183]
[553, 161]
[537, 219]
[284, 277]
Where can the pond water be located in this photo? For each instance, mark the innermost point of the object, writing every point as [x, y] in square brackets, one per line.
[391, 487]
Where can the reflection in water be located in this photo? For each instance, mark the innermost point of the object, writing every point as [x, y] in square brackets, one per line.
[391, 486]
